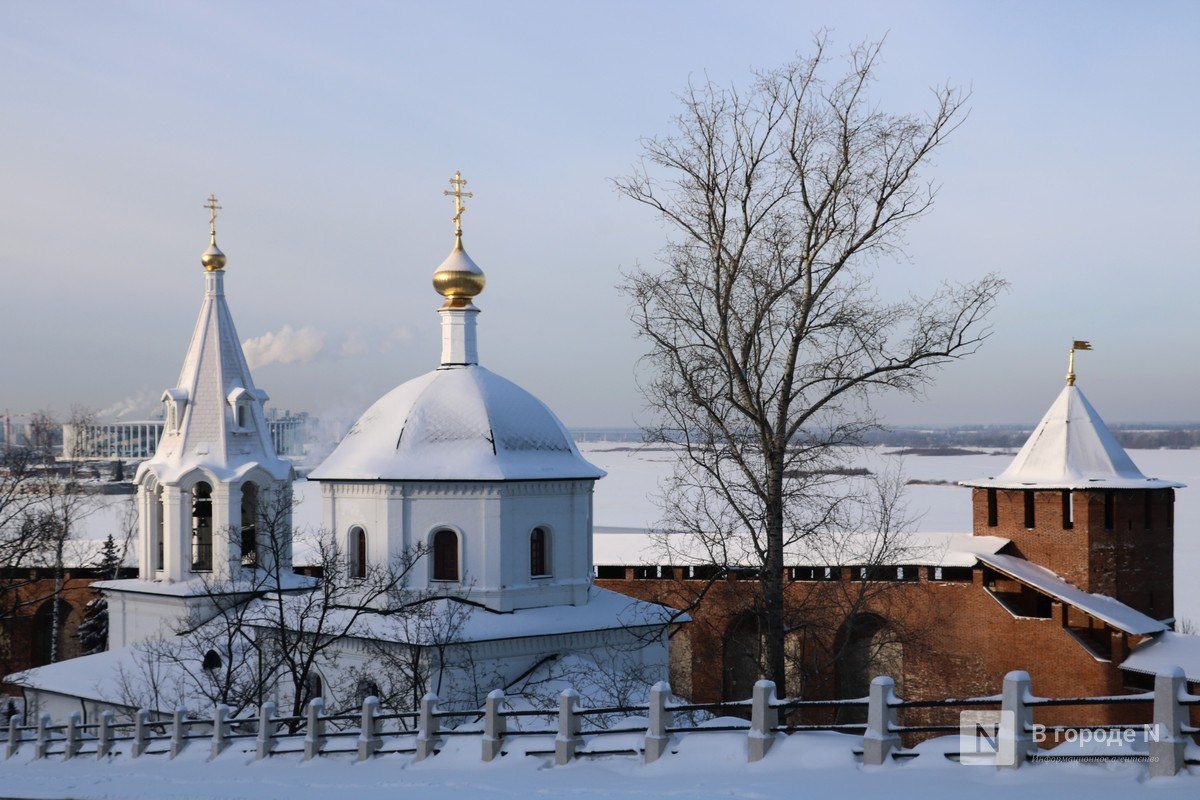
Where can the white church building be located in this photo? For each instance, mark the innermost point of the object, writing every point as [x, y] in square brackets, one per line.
[458, 466]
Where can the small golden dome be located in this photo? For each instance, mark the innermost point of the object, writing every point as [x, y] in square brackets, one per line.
[458, 279]
[213, 259]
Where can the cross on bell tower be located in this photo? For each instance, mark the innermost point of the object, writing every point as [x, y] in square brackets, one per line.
[458, 182]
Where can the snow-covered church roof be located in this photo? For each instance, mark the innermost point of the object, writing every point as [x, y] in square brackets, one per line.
[461, 421]
[457, 423]
[1072, 448]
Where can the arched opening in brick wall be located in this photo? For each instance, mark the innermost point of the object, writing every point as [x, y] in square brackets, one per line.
[742, 659]
[867, 648]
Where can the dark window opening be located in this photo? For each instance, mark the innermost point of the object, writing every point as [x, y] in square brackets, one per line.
[609, 572]
[366, 687]
[445, 555]
[1068, 510]
[951, 574]
[1030, 521]
[358, 553]
[211, 661]
[160, 515]
[249, 539]
[651, 573]
[702, 572]
[992, 515]
[814, 573]
[202, 533]
[538, 545]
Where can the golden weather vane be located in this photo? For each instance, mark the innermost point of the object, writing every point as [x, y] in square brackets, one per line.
[1078, 344]
[458, 182]
[213, 208]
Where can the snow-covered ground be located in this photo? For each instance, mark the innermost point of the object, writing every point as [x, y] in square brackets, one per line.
[711, 765]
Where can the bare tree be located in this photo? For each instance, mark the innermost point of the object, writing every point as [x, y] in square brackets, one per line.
[271, 632]
[41, 505]
[24, 542]
[64, 501]
[767, 339]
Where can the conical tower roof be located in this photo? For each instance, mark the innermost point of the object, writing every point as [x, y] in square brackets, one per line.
[219, 425]
[1072, 448]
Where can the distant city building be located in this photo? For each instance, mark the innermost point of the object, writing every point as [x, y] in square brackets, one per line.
[137, 440]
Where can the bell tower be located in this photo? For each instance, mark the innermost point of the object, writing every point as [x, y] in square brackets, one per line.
[201, 497]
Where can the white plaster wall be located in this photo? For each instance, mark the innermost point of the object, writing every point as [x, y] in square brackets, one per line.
[493, 520]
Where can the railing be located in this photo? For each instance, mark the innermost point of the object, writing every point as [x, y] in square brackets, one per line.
[372, 731]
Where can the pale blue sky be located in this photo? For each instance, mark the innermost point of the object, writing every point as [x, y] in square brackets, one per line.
[328, 132]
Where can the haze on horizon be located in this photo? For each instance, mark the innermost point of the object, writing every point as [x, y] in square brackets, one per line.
[329, 132]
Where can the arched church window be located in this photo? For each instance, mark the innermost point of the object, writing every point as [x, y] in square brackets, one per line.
[365, 688]
[249, 539]
[445, 555]
[358, 552]
[316, 688]
[202, 532]
[241, 415]
[539, 553]
[212, 660]
[159, 515]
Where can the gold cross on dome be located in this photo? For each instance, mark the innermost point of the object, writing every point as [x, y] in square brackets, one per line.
[458, 182]
[213, 208]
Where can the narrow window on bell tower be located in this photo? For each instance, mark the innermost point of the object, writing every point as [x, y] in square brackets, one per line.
[991, 508]
[1029, 516]
[1068, 510]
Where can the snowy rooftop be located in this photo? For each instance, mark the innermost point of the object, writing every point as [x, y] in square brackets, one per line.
[257, 581]
[459, 423]
[1165, 651]
[1072, 448]
[95, 677]
[1104, 608]
[633, 546]
[604, 610]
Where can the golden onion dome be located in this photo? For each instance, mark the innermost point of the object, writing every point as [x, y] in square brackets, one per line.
[458, 279]
[213, 259]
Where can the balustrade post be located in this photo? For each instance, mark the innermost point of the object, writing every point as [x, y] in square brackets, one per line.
[104, 735]
[428, 730]
[178, 734]
[266, 731]
[14, 739]
[657, 737]
[880, 739]
[141, 736]
[71, 746]
[314, 737]
[1014, 740]
[1167, 740]
[494, 726]
[764, 718]
[220, 738]
[368, 737]
[43, 736]
[567, 741]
